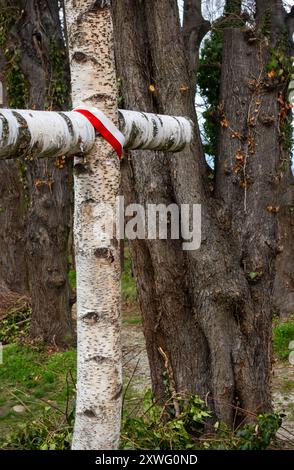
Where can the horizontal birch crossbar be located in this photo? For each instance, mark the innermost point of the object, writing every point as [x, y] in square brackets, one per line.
[40, 134]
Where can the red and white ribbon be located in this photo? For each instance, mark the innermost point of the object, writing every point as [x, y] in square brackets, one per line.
[105, 127]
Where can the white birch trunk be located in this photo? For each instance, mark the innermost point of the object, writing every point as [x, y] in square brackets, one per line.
[99, 383]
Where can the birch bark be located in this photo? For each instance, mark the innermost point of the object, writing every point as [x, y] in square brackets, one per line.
[99, 386]
[40, 134]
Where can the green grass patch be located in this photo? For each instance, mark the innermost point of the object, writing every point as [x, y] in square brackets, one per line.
[41, 381]
[72, 278]
[128, 283]
[283, 333]
[34, 370]
[132, 320]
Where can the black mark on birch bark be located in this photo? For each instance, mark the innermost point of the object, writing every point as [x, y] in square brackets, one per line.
[90, 414]
[91, 317]
[105, 253]
[99, 359]
[79, 57]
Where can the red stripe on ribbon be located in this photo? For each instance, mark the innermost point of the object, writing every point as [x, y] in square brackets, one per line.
[108, 136]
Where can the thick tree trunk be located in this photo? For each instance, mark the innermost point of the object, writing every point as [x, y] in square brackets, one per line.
[49, 181]
[274, 16]
[195, 28]
[97, 181]
[36, 75]
[174, 287]
[248, 184]
[160, 266]
[283, 292]
[13, 272]
[214, 323]
[13, 203]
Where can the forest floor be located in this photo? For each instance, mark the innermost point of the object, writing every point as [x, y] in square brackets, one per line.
[137, 368]
[35, 380]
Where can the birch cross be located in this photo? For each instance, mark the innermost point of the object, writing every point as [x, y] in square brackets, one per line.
[37, 134]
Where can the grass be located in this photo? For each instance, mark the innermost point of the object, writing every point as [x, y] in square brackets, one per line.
[128, 284]
[283, 333]
[72, 278]
[131, 314]
[36, 379]
[36, 370]
[132, 320]
[43, 380]
[287, 385]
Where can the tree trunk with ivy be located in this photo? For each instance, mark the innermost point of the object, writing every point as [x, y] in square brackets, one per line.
[284, 280]
[13, 272]
[209, 80]
[262, 149]
[36, 76]
[209, 310]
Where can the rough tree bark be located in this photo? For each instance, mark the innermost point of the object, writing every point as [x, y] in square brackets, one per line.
[283, 292]
[284, 281]
[212, 320]
[195, 28]
[49, 181]
[97, 180]
[36, 75]
[13, 272]
[160, 266]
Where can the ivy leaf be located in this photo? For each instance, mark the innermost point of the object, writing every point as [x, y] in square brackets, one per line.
[253, 275]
